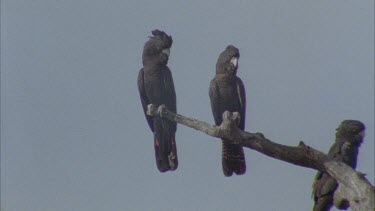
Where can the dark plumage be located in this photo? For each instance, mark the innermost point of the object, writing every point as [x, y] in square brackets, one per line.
[227, 93]
[349, 137]
[155, 85]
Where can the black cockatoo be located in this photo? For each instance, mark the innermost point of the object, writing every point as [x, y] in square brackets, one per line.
[349, 136]
[155, 85]
[227, 93]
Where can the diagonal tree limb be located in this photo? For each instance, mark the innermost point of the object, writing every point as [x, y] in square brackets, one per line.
[353, 186]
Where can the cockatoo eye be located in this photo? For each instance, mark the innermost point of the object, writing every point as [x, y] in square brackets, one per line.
[234, 61]
[166, 51]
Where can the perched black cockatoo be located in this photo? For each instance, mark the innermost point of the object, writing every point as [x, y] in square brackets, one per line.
[227, 93]
[155, 85]
[349, 136]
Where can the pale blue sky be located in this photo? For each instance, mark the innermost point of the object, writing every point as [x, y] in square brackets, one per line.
[73, 135]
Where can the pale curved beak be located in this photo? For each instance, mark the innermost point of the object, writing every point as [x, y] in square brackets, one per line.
[166, 51]
[234, 61]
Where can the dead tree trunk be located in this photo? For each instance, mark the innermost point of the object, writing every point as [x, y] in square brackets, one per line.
[353, 186]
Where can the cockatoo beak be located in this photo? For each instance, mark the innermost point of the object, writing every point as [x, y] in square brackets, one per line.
[166, 51]
[234, 61]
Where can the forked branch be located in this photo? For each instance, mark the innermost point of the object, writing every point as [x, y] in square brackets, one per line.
[353, 186]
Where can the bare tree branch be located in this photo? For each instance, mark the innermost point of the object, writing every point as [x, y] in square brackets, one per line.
[353, 186]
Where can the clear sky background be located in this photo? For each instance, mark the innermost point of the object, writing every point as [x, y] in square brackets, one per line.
[73, 134]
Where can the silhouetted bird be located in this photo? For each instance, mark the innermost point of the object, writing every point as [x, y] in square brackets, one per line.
[155, 85]
[349, 137]
[227, 93]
